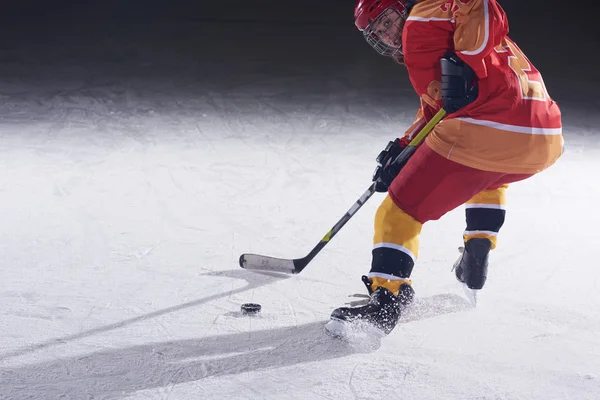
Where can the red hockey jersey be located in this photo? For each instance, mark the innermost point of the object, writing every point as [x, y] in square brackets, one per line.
[513, 126]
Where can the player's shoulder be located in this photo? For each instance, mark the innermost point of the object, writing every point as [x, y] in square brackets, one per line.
[431, 9]
[442, 10]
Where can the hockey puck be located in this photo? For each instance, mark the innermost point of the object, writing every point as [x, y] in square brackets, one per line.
[251, 308]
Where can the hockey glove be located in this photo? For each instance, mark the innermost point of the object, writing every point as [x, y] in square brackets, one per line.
[459, 86]
[386, 170]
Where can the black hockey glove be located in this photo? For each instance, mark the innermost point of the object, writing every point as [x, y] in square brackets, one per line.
[386, 171]
[459, 86]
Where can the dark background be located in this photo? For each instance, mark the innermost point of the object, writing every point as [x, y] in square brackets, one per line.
[309, 48]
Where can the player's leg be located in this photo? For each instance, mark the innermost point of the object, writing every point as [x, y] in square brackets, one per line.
[485, 214]
[426, 188]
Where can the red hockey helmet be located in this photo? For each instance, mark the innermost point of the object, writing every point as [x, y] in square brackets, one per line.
[381, 22]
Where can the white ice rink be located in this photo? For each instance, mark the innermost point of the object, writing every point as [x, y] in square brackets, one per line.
[138, 162]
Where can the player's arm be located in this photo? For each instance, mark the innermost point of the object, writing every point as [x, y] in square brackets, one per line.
[480, 26]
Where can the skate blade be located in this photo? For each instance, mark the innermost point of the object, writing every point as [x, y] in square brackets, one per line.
[470, 294]
[363, 337]
[337, 328]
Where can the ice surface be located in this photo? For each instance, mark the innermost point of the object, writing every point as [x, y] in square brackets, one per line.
[142, 150]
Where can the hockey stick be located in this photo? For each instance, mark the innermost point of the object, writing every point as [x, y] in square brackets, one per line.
[296, 265]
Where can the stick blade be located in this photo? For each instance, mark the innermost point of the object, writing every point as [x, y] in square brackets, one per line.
[265, 263]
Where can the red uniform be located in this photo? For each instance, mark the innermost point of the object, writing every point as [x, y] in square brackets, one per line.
[510, 132]
[513, 126]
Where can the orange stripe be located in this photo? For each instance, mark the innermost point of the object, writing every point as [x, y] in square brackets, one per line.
[492, 149]
[470, 34]
[431, 9]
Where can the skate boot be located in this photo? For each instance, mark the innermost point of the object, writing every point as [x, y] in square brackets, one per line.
[471, 268]
[382, 309]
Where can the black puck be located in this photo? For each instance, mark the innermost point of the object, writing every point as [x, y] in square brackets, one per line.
[251, 308]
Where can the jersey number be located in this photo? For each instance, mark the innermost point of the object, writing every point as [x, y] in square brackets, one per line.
[530, 80]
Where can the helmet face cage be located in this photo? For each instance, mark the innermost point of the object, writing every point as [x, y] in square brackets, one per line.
[388, 21]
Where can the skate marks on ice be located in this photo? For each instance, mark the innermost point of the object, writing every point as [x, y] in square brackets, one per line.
[114, 373]
[434, 306]
[426, 307]
[253, 279]
[359, 335]
[364, 337]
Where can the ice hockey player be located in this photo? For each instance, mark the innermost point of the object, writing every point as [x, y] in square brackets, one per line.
[501, 127]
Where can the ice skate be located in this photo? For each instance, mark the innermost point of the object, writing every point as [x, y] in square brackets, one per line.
[382, 311]
[471, 267]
